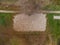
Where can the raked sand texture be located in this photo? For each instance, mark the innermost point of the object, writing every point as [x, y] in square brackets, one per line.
[35, 22]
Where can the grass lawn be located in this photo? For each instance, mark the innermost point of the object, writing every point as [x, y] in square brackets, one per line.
[54, 26]
[5, 19]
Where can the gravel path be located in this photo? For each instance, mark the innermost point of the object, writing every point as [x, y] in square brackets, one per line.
[35, 22]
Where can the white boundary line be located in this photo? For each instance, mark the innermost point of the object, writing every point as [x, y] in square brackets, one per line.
[6, 11]
[50, 11]
[56, 17]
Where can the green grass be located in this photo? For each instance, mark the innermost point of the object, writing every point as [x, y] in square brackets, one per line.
[53, 7]
[5, 19]
[54, 25]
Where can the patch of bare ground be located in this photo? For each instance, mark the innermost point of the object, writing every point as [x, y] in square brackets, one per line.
[35, 22]
[9, 7]
[24, 38]
[33, 38]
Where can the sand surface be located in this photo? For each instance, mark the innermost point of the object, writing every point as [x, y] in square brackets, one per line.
[35, 22]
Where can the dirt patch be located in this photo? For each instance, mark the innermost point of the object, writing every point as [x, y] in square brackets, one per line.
[35, 22]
